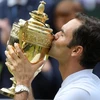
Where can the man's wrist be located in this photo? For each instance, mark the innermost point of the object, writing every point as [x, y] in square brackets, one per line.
[27, 84]
[21, 88]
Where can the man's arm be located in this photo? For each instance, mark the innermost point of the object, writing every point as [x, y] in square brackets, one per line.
[24, 95]
[31, 96]
[22, 70]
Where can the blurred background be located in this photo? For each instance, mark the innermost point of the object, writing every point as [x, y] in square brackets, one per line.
[47, 83]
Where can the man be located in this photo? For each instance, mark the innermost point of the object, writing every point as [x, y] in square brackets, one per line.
[77, 49]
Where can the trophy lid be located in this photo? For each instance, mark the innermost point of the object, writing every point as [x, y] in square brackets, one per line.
[39, 13]
[36, 30]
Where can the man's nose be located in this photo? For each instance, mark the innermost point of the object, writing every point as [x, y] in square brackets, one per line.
[56, 36]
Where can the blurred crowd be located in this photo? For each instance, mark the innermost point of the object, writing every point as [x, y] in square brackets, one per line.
[47, 83]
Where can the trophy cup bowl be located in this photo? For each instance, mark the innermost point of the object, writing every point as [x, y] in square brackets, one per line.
[34, 37]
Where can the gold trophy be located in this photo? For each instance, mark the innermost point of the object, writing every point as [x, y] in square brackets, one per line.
[35, 38]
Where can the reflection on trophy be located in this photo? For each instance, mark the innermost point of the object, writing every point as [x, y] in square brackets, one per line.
[34, 37]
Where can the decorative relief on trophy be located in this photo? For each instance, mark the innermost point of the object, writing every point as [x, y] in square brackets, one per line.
[35, 38]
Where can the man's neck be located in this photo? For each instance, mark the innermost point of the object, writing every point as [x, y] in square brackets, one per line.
[69, 68]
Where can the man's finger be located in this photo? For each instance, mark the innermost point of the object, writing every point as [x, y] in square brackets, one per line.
[19, 51]
[12, 52]
[39, 64]
[10, 67]
[11, 60]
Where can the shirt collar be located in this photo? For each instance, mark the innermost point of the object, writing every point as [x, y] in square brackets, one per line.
[11, 3]
[76, 76]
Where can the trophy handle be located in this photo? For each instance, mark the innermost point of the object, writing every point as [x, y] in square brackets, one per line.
[40, 68]
[23, 28]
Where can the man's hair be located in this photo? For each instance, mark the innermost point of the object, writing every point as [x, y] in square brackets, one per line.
[88, 36]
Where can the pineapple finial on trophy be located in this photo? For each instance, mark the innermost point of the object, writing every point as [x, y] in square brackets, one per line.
[39, 13]
[41, 7]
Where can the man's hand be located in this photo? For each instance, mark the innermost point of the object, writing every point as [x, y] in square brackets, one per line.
[19, 65]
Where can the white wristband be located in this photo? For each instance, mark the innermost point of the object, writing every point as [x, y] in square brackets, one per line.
[21, 88]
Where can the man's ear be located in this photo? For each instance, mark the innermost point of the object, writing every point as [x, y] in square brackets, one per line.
[77, 50]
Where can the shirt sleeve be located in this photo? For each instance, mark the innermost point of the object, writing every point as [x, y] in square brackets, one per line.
[74, 94]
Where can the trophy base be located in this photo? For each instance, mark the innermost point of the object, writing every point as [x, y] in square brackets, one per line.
[7, 92]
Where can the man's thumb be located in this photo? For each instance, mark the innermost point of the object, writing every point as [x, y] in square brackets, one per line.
[38, 65]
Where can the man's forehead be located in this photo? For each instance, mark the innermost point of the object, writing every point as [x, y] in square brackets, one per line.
[72, 24]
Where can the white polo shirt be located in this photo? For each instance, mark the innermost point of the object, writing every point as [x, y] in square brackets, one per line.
[82, 85]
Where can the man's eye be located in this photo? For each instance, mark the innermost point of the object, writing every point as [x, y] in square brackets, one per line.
[62, 34]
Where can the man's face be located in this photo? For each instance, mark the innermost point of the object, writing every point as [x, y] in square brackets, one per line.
[59, 49]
